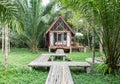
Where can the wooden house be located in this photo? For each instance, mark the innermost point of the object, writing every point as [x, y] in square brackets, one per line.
[59, 35]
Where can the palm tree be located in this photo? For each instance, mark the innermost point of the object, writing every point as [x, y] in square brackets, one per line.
[7, 11]
[110, 20]
[31, 15]
[108, 12]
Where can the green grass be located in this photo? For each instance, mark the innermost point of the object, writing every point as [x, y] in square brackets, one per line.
[19, 73]
[95, 79]
[21, 57]
[80, 56]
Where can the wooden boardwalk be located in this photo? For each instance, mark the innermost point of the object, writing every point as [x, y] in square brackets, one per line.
[59, 71]
[42, 58]
[59, 75]
[59, 51]
[49, 64]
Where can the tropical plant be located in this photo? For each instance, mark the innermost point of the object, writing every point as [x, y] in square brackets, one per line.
[31, 15]
[87, 9]
[7, 11]
[108, 12]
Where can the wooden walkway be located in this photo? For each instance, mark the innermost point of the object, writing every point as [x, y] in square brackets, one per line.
[59, 75]
[59, 51]
[59, 71]
[49, 64]
[42, 58]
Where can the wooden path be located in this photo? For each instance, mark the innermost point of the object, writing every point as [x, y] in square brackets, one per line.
[59, 75]
[59, 71]
[59, 51]
[42, 58]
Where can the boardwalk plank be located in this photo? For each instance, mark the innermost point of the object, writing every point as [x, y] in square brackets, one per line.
[59, 51]
[79, 64]
[42, 58]
[59, 75]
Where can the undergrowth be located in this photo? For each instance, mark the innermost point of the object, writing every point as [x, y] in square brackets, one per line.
[19, 73]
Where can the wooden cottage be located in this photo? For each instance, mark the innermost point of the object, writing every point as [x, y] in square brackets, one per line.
[59, 35]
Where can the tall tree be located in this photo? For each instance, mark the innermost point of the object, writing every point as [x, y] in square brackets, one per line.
[31, 14]
[7, 11]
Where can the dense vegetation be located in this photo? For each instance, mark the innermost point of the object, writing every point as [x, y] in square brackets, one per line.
[23, 24]
[104, 14]
[19, 73]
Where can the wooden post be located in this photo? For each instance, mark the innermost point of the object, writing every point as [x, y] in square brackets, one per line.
[62, 39]
[63, 58]
[52, 58]
[87, 69]
[70, 49]
[57, 39]
[49, 49]
[85, 49]
[49, 42]
[30, 68]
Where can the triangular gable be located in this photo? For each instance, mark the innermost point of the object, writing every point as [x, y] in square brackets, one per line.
[60, 17]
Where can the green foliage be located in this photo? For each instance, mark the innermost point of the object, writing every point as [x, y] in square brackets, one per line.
[95, 79]
[18, 72]
[104, 68]
[31, 13]
[17, 40]
[106, 14]
[16, 75]
[7, 11]
[109, 17]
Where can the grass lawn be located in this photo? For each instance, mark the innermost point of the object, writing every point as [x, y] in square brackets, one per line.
[19, 73]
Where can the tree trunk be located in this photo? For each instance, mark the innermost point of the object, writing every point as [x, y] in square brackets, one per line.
[87, 29]
[93, 51]
[111, 65]
[9, 40]
[100, 45]
[3, 40]
[6, 46]
[93, 45]
[34, 46]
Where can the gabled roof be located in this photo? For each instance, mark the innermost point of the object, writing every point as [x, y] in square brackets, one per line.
[60, 17]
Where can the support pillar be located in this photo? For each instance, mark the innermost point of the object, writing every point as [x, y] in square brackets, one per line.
[63, 58]
[87, 69]
[85, 50]
[70, 49]
[30, 68]
[49, 49]
[52, 58]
